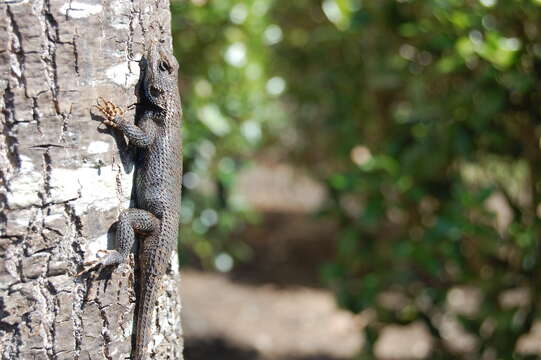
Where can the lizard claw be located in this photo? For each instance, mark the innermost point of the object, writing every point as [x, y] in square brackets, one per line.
[90, 265]
[133, 106]
[93, 264]
[113, 113]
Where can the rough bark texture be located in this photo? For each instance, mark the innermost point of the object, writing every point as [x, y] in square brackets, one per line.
[64, 181]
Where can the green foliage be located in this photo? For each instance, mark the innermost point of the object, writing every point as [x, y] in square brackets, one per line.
[419, 115]
[227, 110]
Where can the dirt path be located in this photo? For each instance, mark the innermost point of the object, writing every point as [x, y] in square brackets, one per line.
[228, 320]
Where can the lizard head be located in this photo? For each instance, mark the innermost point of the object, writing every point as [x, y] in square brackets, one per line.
[160, 76]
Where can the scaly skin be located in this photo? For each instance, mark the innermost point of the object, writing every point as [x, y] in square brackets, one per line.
[157, 182]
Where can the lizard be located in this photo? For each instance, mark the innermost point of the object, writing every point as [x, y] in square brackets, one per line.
[158, 174]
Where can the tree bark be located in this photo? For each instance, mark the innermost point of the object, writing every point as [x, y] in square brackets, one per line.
[65, 179]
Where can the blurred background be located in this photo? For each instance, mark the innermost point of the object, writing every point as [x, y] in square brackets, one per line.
[362, 179]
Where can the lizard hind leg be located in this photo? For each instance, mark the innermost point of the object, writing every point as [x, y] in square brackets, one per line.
[130, 221]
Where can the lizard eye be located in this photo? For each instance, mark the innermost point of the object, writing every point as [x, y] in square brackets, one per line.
[164, 66]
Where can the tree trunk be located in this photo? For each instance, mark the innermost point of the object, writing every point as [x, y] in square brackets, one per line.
[65, 179]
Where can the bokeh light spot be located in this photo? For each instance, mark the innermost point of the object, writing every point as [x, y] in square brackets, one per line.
[238, 13]
[276, 85]
[236, 54]
[223, 262]
[273, 34]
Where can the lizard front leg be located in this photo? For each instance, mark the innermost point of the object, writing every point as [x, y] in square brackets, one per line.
[114, 117]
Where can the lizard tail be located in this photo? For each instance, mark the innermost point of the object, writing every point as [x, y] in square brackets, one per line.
[153, 263]
[145, 315]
